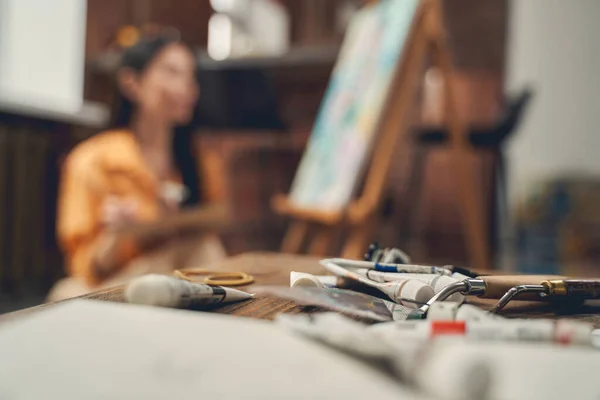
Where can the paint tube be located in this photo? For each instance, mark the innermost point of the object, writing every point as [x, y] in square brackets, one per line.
[385, 267]
[410, 293]
[468, 312]
[437, 282]
[562, 332]
[303, 279]
[166, 291]
[443, 311]
[451, 311]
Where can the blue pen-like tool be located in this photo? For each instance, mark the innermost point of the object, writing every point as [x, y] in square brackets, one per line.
[388, 267]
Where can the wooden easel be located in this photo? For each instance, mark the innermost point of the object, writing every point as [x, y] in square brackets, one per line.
[427, 37]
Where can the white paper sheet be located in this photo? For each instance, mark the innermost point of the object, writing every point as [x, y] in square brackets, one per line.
[42, 53]
[95, 350]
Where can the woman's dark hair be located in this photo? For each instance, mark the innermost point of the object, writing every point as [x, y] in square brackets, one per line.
[138, 58]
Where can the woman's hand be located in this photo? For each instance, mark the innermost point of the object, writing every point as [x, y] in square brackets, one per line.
[117, 212]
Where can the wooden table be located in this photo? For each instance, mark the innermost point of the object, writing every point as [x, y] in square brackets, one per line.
[274, 269]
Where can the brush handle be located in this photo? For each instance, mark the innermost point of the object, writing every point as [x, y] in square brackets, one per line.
[497, 285]
[579, 288]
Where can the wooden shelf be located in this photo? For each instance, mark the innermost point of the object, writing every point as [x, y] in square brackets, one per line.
[91, 114]
[310, 56]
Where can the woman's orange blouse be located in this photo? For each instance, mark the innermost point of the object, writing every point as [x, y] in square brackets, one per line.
[108, 164]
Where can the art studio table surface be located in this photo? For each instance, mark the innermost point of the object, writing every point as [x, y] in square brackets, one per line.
[275, 268]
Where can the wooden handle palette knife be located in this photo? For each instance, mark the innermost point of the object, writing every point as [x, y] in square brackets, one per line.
[507, 287]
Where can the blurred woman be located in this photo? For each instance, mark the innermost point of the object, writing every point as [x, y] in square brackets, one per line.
[140, 170]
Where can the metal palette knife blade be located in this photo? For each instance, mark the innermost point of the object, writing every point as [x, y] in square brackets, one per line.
[347, 302]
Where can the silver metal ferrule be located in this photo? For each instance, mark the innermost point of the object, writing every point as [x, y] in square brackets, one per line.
[514, 292]
[476, 287]
[471, 287]
[458, 287]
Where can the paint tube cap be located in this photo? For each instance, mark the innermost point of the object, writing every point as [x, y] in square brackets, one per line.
[443, 311]
[441, 282]
[152, 290]
[302, 279]
[415, 290]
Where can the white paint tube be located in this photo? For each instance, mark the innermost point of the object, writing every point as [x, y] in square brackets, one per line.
[443, 311]
[384, 267]
[522, 330]
[469, 312]
[437, 282]
[166, 291]
[451, 311]
[303, 279]
[409, 292]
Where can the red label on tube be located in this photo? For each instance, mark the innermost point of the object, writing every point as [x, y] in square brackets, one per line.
[439, 328]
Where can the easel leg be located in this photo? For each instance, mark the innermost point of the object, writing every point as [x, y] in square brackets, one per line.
[294, 237]
[407, 225]
[359, 239]
[471, 199]
[474, 218]
[321, 242]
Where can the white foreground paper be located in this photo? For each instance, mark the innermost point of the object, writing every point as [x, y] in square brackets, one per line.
[96, 350]
[42, 53]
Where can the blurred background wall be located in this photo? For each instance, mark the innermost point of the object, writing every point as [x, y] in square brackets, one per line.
[554, 187]
[553, 45]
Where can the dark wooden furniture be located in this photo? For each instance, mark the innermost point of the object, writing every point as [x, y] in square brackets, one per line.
[33, 140]
[488, 141]
[274, 269]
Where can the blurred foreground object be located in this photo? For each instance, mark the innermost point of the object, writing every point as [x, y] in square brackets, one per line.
[166, 354]
[453, 364]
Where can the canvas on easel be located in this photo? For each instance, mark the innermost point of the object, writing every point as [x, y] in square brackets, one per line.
[365, 112]
[347, 122]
